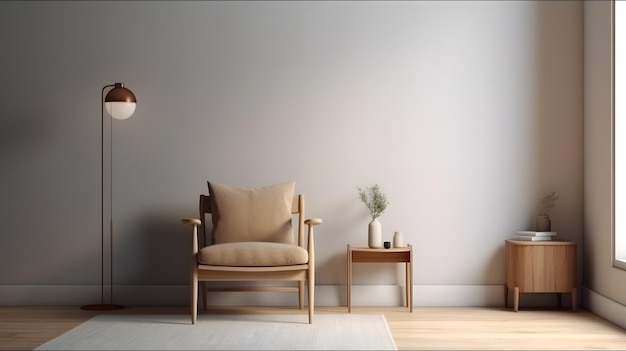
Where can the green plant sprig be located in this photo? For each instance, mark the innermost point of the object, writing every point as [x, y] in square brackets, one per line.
[548, 202]
[374, 199]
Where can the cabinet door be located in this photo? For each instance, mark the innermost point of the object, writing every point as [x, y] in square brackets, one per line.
[563, 260]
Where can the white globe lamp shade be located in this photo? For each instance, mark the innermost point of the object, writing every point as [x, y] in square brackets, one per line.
[120, 110]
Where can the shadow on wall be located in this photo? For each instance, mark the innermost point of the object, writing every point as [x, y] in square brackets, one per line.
[156, 251]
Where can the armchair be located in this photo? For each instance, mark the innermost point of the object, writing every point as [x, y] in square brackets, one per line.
[251, 239]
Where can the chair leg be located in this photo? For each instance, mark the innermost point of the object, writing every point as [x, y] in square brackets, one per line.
[301, 293]
[311, 284]
[194, 297]
[203, 287]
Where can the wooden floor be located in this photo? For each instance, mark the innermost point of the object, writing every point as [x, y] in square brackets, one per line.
[427, 328]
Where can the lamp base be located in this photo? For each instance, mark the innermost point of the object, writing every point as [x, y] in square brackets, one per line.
[102, 307]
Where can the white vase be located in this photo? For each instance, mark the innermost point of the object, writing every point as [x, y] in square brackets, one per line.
[374, 236]
[397, 239]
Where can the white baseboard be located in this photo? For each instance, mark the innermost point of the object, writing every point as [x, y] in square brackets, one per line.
[604, 307]
[325, 295]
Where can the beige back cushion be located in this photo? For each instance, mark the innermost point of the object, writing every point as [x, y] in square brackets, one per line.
[252, 214]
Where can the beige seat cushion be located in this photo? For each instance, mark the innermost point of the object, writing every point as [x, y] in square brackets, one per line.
[252, 214]
[253, 254]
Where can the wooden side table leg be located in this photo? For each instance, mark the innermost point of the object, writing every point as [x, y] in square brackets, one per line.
[515, 298]
[410, 278]
[409, 285]
[574, 298]
[407, 303]
[349, 285]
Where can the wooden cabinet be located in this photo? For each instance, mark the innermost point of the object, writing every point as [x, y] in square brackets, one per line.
[540, 267]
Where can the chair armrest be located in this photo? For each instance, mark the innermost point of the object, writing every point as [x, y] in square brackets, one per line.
[195, 223]
[313, 221]
[192, 221]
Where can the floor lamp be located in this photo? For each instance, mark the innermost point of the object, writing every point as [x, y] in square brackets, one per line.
[120, 103]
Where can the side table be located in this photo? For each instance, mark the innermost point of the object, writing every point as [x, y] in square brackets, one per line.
[395, 254]
[540, 267]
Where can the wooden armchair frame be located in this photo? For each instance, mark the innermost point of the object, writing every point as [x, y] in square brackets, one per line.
[301, 273]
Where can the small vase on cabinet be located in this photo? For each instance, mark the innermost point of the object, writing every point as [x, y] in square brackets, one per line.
[374, 235]
[543, 223]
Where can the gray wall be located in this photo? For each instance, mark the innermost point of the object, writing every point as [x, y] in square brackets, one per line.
[465, 113]
[606, 284]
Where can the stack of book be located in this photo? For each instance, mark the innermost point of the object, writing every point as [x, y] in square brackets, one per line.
[533, 236]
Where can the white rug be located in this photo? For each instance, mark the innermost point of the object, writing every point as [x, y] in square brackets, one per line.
[227, 332]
